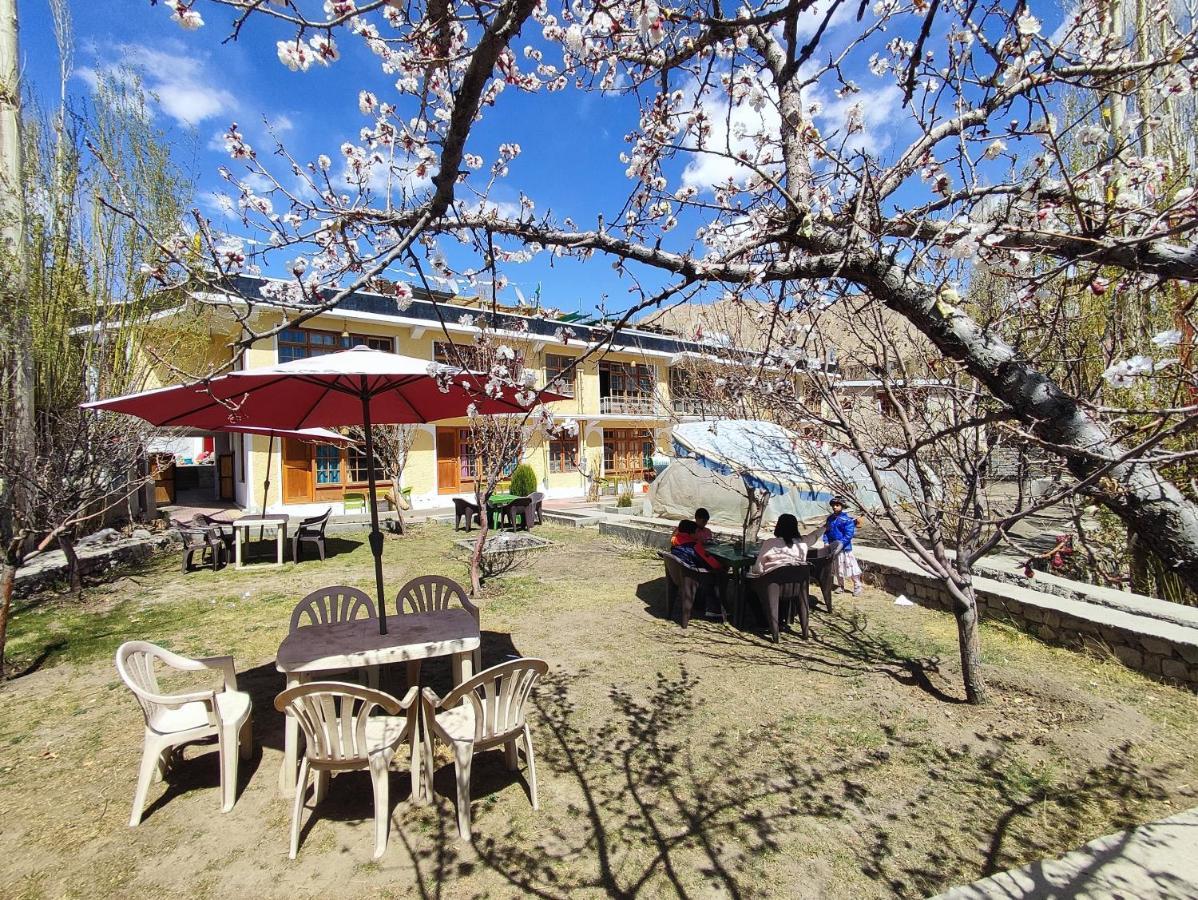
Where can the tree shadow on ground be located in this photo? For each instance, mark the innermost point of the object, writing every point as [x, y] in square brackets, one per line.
[841, 644]
[663, 813]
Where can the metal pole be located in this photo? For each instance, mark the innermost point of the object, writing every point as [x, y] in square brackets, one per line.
[376, 536]
[270, 448]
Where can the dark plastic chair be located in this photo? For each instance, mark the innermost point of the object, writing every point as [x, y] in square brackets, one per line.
[683, 582]
[822, 562]
[778, 592]
[537, 499]
[518, 514]
[464, 509]
[310, 531]
[222, 527]
[205, 541]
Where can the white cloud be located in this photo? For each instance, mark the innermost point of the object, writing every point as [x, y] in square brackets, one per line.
[732, 132]
[187, 89]
[881, 115]
[280, 124]
[807, 23]
[737, 131]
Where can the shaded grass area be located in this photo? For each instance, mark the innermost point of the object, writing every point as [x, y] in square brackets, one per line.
[705, 762]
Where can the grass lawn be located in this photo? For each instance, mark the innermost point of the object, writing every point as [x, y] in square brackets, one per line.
[700, 763]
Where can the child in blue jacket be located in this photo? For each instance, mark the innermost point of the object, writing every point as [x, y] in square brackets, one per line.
[840, 526]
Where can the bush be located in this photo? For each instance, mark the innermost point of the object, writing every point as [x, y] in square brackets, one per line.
[524, 480]
[624, 500]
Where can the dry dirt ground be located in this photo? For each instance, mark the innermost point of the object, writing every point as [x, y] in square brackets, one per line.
[696, 763]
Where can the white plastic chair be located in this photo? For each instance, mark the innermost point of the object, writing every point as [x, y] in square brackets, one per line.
[485, 712]
[342, 735]
[333, 605]
[432, 594]
[175, 719]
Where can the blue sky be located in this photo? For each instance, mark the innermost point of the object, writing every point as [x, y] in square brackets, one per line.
[571, 142]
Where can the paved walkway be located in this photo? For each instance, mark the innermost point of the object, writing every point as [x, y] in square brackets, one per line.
[1158, 860]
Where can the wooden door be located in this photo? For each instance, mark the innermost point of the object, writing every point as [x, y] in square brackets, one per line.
[224, 475]
[297, 472]
[163, 469]
[448, 470]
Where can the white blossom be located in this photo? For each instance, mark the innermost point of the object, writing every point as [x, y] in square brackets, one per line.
[1123, 374]
[1169, 338]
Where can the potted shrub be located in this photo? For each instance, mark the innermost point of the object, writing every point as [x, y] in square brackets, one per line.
[524, 480]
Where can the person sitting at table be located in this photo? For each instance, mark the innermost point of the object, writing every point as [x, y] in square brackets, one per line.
[702, 532]
[685, 545]
[783, 549]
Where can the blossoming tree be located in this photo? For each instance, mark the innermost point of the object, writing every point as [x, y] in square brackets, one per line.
[783, 152]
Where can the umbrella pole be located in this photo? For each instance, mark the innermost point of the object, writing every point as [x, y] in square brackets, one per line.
[270, 447]
[376, 536]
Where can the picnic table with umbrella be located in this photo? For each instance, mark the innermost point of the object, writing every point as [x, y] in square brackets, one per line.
[352, 387]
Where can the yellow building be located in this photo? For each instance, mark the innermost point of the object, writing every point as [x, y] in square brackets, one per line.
[620, 398]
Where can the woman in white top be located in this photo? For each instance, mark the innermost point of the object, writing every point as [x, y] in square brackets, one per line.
[783, 549]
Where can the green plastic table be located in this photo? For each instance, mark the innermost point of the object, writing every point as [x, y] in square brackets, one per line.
[496, 501]
[738, 564]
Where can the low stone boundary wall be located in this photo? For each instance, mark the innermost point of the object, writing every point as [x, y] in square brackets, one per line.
[48, 569]
[1154, 646]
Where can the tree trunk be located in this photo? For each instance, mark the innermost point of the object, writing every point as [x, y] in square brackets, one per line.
[965, 610]
[15, 327]
[397, 498]
[66, 543]
[1147, 503]
[480, 544]
[9, 564]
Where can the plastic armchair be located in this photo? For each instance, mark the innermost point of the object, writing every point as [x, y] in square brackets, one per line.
[682, 584]
[464, 509]
[175, 719]
[538, 499]
[517, 513]
[484, 712]
[222, 527]
[331, 606]
[432, 594]
[204, 541]
[342, 735]
[354, 501]
[783, 587]
[823, 568]
[310, 531]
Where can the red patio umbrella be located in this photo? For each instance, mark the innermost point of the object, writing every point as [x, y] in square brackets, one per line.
[353, 387]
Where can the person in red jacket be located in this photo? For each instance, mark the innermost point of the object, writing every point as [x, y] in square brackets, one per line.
[685, 544]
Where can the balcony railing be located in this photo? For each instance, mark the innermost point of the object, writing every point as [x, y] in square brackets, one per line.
[628, 405]
[689, 406]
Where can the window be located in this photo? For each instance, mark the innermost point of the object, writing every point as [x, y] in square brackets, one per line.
[562, 453]
[328, 464]
[301, 343]
[357, 467]
[627, 452]
[626, 378]
[457, 354]
[386, 344]
[560, 367]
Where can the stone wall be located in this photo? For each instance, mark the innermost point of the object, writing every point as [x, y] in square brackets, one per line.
[1163, 650]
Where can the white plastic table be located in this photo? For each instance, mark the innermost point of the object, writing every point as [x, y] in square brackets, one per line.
[353, 645]
[277, 521]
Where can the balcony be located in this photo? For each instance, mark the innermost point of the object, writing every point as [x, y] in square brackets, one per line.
[689, 406]
[628, 405]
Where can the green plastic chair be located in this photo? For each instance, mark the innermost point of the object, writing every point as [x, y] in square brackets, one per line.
[355, 502]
